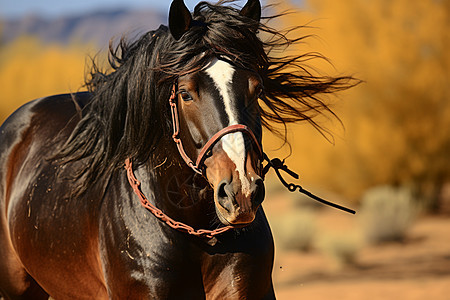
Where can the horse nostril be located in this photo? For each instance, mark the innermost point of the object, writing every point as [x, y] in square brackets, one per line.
[223, 198]
[221, 193]
[258, 192]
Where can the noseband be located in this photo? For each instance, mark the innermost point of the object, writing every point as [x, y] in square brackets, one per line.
[206, 151]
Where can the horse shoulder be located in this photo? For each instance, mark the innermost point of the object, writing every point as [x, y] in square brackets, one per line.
[41, 228]
[28, 131]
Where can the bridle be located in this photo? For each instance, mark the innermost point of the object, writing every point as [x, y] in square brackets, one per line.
[199, 168]
[205, 152]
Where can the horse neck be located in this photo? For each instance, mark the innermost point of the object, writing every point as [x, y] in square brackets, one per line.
[177, 190]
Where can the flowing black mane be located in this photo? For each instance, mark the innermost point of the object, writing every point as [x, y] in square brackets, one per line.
[129, 113]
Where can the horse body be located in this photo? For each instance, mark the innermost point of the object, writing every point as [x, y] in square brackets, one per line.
[105, 244]
[72, 224]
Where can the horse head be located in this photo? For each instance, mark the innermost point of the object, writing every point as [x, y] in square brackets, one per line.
[220, 124]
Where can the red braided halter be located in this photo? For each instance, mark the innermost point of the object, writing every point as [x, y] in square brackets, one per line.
[161, 215]
[197, 167]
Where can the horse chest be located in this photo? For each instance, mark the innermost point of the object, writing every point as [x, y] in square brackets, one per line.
[154, 259]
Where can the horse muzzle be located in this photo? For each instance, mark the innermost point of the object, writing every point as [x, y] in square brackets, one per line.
[237, 195]
[236, 207]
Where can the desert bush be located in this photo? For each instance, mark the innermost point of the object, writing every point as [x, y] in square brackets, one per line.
[295, 230]
[341, 248]
[387, 213]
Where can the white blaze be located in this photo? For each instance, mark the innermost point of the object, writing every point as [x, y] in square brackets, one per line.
[233, 144]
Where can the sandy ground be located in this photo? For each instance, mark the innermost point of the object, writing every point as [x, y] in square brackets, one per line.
[417, 268]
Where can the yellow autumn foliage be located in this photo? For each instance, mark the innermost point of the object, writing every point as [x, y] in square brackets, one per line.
[29, 69]
[397, 122]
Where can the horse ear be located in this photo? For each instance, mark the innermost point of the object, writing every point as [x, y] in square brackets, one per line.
[179, 18]
[252, 10]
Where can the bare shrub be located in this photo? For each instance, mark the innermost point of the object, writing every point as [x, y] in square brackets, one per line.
[295, 230]
[387, 213]
[341, 248]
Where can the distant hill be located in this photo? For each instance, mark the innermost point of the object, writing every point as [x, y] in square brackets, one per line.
[97, 27]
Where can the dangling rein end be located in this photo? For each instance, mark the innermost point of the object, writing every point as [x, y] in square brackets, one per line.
[278, 165]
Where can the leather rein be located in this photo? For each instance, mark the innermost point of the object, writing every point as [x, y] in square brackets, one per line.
[199, 168]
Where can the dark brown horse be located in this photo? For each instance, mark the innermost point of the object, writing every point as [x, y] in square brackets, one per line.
[71, 221]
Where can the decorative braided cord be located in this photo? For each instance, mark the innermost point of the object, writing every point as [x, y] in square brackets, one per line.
[135, 185]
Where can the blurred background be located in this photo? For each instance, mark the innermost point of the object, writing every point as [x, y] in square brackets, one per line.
[388, 157]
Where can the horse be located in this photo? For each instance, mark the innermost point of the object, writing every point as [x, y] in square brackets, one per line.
[149, 185]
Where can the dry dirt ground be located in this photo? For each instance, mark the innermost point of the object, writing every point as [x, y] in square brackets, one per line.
[418, 268]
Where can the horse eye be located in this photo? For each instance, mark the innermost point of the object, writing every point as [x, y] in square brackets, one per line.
[185, 96]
